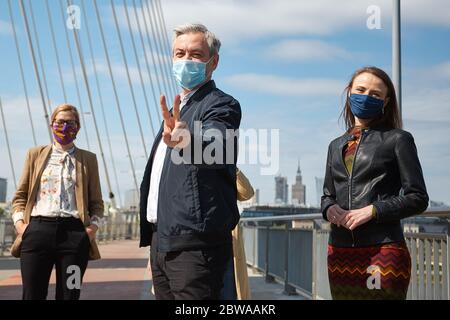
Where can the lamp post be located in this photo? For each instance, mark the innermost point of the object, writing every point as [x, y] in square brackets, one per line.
[396, 52]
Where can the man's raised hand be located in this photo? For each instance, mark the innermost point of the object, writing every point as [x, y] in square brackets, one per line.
[176, 132]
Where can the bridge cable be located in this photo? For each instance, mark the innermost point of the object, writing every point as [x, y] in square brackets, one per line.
[41, 61]
[119, 110]
[130, 84]
[55, 48]
[155, 97]
[11, 162]
[35, 67]
[163, 53]
[168, 43]
[162, 69]
[22, 74]
[139, 68]
[91, 105]
[100, 96]
[75, 77]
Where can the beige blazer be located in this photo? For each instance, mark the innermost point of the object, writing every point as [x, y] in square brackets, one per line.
[244, 188]
[88, 193]
[240, 266]
[244, 192]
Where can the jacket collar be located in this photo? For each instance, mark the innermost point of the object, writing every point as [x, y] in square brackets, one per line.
[199, 94]
[202, 92]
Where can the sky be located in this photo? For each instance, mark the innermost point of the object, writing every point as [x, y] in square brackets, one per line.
[286, 62]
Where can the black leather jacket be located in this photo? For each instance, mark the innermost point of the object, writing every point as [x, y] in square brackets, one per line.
[387, 174]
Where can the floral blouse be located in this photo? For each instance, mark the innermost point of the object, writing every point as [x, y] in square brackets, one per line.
[56, 195]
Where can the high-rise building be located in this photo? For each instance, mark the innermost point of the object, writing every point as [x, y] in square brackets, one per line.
[319, 189]
[298, 189]
[256, 196]
[3, 185]
[281, 190]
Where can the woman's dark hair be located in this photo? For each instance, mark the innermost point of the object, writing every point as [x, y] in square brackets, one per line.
[391, 115]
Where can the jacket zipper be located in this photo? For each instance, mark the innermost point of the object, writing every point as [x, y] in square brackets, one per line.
[350, 181]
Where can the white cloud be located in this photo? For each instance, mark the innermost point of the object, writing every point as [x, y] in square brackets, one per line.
[432, 12]
[427, 104]
[432, 139]
[140, 28]
[437, 74]
[294, 50]
[19, 133]
[254, 19]
[441, 71]
[17, 118]
[272, 84]
[5, 28]
[119, 72]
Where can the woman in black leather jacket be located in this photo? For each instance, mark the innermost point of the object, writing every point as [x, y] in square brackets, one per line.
[373, 179]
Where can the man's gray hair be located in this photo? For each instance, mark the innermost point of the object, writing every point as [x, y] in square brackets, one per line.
[211, 39]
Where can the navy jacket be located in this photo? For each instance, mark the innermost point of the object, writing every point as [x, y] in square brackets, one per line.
[197, 202]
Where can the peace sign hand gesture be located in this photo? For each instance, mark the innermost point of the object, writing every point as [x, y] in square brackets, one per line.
[176, 132]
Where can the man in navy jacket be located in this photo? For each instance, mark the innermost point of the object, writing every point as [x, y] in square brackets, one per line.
[188, 204]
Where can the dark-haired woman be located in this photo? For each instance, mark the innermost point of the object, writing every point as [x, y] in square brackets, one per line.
[373, 180]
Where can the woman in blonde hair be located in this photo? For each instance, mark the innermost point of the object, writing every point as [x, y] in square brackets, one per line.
[57, 207]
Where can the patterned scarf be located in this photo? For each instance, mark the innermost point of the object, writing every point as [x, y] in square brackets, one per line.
[351, 147]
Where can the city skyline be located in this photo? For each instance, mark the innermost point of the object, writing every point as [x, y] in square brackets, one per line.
[287, 75]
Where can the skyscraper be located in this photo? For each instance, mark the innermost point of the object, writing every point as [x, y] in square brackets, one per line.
[298, 189]
[257, 196]
[3, 184]
[281, 190]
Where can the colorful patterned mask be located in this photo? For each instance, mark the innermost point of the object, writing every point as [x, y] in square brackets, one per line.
[66, 133]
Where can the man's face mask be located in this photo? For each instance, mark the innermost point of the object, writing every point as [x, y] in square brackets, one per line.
[189, 74]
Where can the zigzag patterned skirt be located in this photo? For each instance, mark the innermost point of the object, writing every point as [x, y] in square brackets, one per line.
[377, 272]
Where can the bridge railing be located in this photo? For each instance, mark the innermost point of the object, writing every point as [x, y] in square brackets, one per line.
[123, 225]
[7, 234]
[292, 250]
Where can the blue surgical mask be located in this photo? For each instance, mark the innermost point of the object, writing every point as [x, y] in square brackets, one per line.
[365, 107]
[189, 74]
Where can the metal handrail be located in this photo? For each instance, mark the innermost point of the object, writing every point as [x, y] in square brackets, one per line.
[430, 255]
[308, 216]
[432, 212]
[427, 236]
[125, 226]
